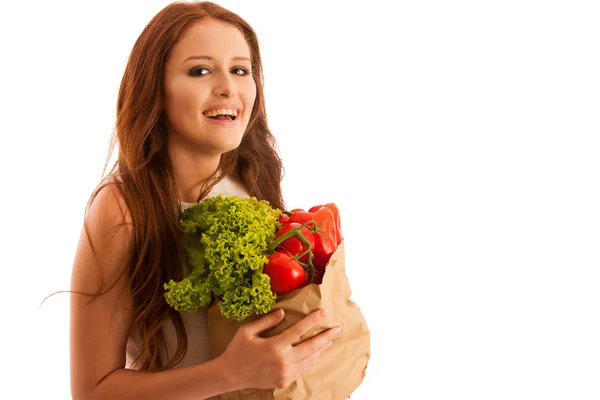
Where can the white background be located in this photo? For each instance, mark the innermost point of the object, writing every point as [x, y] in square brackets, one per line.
[460, 140]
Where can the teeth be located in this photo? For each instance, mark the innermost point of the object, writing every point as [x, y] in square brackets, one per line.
[221, 111]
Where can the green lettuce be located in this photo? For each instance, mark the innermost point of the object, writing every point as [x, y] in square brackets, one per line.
[227, 244]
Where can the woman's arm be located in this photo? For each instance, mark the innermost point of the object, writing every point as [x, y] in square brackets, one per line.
[196, 382]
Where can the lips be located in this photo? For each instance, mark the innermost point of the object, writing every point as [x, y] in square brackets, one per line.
[225, 121]
[222, 113]
[216, 114]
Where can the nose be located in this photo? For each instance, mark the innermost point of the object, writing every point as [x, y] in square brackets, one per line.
[224, 86]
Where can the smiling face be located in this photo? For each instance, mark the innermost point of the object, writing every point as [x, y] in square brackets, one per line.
[208, 74]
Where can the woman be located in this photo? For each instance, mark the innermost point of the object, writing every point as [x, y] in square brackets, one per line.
[191, 122]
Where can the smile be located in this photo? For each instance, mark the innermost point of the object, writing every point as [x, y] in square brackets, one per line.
[224, 120]
[222, 114]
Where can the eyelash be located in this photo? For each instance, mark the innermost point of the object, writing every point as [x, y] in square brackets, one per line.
[194, 71]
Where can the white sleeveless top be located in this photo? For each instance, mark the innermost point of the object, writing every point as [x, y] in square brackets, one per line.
[196, 328]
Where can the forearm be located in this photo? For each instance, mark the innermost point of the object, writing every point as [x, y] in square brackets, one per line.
[194, 383]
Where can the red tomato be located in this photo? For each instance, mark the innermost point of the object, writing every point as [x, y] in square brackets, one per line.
[317, 279]
[284, 218]
[296, 210]
[285, 273]
[301, 217]
[294, 245]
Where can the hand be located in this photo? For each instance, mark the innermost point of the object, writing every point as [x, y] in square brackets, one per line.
[267, 363]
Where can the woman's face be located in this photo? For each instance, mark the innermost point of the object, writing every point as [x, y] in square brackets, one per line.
[209, 68]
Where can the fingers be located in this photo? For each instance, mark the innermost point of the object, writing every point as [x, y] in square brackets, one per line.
[265, 322]
[316, 344]
[296, 331]
[312, 358]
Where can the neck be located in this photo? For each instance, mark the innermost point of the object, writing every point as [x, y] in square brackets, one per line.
[191, 170]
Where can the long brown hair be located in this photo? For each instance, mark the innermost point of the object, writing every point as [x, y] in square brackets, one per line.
[144, 176]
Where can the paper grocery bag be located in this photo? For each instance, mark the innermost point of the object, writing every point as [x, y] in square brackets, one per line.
[340, 369]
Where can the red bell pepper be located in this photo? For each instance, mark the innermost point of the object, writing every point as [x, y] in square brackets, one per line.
[325, 237]
[338, 222]
[315, 208]
[336, 216]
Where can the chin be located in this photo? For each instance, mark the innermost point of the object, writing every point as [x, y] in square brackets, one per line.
[227, 147]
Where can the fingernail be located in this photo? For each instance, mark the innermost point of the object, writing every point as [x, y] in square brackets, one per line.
[280, 312]
[323, 313]
[337, 330]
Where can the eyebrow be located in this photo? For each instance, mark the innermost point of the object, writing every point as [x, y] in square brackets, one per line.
[212, 58]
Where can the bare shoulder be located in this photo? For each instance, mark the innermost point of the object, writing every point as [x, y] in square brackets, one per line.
[109, 207]
[106, 239]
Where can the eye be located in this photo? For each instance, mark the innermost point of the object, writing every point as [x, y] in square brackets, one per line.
[244, 71]
[197, 71]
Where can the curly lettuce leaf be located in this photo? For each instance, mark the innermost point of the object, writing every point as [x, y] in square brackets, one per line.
[188, 295]
[228, 243]
[196, 257]
[243, 301]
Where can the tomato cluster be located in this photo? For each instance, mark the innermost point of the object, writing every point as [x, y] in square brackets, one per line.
[303, 246]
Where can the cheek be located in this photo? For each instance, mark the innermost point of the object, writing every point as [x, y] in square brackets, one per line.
[180, 98]
[250, 94]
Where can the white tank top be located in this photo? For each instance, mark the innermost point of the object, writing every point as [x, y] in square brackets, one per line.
[196, 328]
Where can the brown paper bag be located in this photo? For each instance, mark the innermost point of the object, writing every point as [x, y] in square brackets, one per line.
[340, 369]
